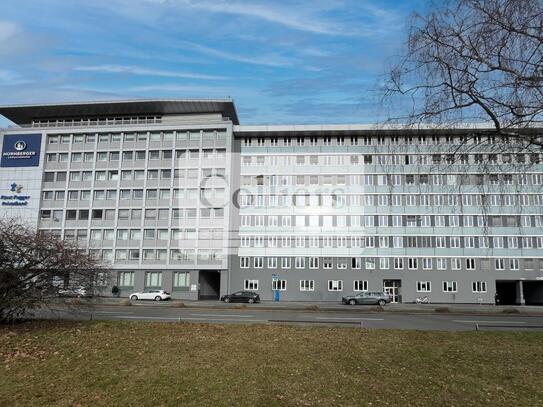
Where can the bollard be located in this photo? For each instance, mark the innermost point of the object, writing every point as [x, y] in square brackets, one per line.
[91, 316]
[361, 324]
[476, 327]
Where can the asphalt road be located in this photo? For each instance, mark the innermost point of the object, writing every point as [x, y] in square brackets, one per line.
[384, 320]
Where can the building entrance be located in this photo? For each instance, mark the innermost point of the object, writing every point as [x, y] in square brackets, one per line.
[394, 289]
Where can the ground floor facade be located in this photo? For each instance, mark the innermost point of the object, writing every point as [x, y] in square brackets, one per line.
[444, 287]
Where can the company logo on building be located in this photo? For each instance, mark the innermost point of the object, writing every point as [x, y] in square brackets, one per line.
[16, 187]
[20, 145]
[14, 200]
[21, 150]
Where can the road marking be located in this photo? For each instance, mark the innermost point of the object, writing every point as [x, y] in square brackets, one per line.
[191, 319]
[107, 312]
[489, 322]
[352, 319]
[223, 315]
[225, 319]
[127, 317]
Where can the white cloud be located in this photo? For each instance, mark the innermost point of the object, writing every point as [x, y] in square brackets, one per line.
[289, 17]
[10, 78]
[274, 60]
[8, 30]
[134, 70]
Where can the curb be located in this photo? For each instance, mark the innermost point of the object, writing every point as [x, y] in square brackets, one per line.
[361, 309]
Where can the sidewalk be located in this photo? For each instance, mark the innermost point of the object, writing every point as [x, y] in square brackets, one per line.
[336, 307]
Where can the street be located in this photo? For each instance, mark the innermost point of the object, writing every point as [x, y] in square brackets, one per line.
[365, 319]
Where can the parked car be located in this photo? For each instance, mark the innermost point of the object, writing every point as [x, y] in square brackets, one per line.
[380, 298]
[241, 296]
[156, 295]
[75, 291]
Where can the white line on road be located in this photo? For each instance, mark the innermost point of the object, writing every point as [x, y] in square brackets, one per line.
[489, 322]
[352, 319]
[222, 315]
[225, 319]
[107, 312]
[159, 318]
[191, 319]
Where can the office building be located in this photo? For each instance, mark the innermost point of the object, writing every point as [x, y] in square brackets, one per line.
[176, 194]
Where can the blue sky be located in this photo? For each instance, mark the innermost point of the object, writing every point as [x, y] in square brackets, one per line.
[294, 62]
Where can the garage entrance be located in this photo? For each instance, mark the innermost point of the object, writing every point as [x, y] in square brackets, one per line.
[507, 292]
[533, 292]
[209, 283]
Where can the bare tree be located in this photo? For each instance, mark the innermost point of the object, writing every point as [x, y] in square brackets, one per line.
[473, 61]
[35, 266]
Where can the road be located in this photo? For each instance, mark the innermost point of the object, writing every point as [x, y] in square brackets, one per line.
[383, 320]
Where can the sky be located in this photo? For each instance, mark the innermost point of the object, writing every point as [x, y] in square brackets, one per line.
[283, 61]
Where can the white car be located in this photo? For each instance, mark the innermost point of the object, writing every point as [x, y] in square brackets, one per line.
[78, 291]
[156, 295]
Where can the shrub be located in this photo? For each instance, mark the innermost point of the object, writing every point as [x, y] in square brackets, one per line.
[313, 307]
[126, 302]
[240, 306]
[178, 304]
[442, 310]
[376, 308]
[511, 311]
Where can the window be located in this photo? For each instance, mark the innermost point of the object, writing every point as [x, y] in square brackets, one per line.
[478, 286]
[335, 285]
[360, 285]
[299, 262]
[153, 279]
[272, 262]
[244, 262]
[449, 286]
[258, 262]
[251, 285]
[424, 286]
[181, 279]
[279, 285]
[126, 279]
[307, 285]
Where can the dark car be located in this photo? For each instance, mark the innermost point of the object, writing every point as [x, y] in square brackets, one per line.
[367, 298]
[241, 296]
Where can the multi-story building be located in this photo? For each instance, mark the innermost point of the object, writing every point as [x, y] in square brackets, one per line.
[177, 195]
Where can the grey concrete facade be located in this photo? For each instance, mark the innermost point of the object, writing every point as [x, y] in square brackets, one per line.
[177, 195]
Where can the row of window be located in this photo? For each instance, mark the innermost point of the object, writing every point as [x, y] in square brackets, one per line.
[394, 158]
[344, 200]
[382, 140]
[153, 279]
[393, 179]
[139, 155]
[384, 263]
[392, 220]
[396, 242]
[140, 137]
[176, 256]
[207, 195]
[130, 214]
[130, 175]
[362, 286]
[109, 235]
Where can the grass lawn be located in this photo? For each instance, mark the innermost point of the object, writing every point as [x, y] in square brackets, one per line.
[168, 364]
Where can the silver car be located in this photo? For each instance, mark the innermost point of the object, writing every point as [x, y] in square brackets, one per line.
[369, 297]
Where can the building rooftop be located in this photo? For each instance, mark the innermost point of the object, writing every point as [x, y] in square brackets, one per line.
[26, 114]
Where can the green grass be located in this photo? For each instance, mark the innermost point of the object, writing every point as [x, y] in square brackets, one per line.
[168, 364]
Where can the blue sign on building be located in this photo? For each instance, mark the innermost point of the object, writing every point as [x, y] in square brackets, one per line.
[21, 150]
